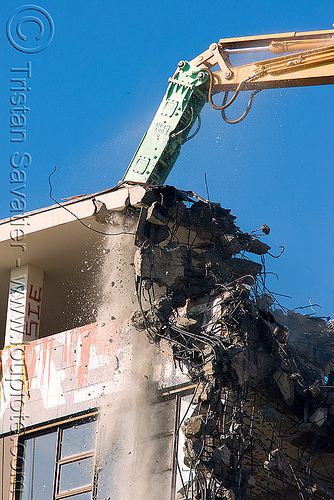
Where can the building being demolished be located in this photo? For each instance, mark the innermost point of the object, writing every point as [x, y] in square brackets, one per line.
[239, 397]
[261, 419]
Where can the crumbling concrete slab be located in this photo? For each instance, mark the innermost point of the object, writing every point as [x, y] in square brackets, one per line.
[162, 266]
[254, 368]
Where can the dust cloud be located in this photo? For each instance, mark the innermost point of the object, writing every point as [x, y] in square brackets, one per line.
[127, 449]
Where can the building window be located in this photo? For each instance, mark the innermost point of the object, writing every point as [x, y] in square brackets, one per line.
[60, 463]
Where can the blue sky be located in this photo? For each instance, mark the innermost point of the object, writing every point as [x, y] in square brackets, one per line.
[96, 87]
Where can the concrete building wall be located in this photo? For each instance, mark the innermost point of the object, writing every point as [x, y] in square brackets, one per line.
[8, 448]
[106, 366]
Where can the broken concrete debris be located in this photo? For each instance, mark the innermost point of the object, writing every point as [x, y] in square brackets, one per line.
[285, 384]
[163, 266]
[319, 417]
[277, 461]
[262, 411]
[270, 414]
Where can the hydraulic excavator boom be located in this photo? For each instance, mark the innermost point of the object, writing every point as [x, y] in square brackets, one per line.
[299, 59]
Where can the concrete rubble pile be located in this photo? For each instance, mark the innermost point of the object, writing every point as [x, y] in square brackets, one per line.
[263, 407]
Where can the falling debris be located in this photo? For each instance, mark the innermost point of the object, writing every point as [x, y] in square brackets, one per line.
[262, 412]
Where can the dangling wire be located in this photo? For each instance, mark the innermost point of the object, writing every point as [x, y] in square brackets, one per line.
[236, 93]
[190, 124]
[196, 131]
[226, 104]
[233, 98]
[277, 256]
[249, 105]
[76, 217]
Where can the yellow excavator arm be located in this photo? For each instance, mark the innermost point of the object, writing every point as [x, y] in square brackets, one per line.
[299, 59]
[310, 61]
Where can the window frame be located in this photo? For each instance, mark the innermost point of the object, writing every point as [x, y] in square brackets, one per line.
[177, 392]
[59, 427]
